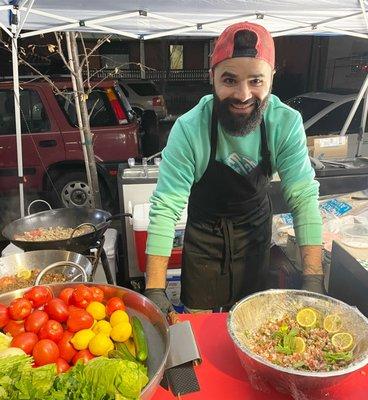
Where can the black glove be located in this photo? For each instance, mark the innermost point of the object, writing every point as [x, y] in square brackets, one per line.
[158, 296]
[313, 283]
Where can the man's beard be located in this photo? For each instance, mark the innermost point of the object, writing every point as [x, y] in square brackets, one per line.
[239, 124]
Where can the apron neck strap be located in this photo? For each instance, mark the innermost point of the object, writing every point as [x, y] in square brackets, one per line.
[213, 135]
[265, 152]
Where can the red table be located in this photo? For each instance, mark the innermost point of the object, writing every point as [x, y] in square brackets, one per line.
[221, 375]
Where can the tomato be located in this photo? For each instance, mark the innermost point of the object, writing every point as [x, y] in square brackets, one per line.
[66, 349]
[19, 309]
[38, 295]
[66, 295]
[61, 365]
[45, 352]
[97, 294]
[73, 308]
[79, 319]
[57, 310]
[25, 341]
[51, 330]
[4, 315]
[84, 355]
[14, 328]
[35, 321]
[82, 296]
[113, 304]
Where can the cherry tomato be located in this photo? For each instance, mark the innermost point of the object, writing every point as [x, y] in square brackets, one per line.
[57, 310]
[84, 355]
[4, 316]
[38, 295]
[66, 295]
[97, 294]
[79, 319]
[25, 341]
[19, 309]
[61, 365]
[113, 304]
[51, 330]
[35, 321]
[82, 296]
[14, 328]
[66, 349]
[45, 352]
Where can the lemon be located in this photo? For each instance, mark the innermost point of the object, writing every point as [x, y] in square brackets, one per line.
[97, 310]
[117, 317]
[343, 341]
[306, 317]
[121, 332]
[130, 346]
[102, 327]
[332, 323]
[299, 345]
[100, 345]
[81, 339]
[5, 341]
[24, 273]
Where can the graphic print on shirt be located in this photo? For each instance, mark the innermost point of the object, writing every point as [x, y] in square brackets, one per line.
[243, 165]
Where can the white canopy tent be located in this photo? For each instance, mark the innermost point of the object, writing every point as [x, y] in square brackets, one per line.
[150, 19]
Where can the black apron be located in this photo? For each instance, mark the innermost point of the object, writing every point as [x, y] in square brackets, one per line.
[228, 232]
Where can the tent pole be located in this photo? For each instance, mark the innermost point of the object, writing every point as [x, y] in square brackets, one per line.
[18, 125]
[362, 90]
[77, 108]
[142, 56]
[362, 124]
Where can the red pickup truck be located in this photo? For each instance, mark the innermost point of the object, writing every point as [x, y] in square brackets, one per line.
[52, 152]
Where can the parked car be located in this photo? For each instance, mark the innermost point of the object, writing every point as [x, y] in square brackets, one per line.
[52, 152]
[325, 113]
[143, 95]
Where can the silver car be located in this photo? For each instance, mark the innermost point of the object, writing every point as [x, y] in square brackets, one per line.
[325, 113]
[143, 95]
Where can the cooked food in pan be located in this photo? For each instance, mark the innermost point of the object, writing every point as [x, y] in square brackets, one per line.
[52, 233]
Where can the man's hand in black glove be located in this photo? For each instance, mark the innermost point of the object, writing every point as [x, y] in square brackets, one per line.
[158, 296]
[313, 283]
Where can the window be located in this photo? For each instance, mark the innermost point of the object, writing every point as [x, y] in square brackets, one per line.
[308, 106]
[335, 119]
[144, 88]
[176, 56]
[97, 103]
[33, 115]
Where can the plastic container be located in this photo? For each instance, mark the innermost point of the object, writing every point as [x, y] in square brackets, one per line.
[355, 235]
[140, 226]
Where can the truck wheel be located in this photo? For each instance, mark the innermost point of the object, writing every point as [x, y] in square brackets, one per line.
[72, 190]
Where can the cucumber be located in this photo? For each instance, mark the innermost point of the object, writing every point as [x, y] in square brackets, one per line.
[140, 340]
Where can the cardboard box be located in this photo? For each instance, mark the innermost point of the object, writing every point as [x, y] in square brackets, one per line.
[328, 147]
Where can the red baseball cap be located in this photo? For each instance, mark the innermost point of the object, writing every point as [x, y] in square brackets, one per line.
[264, 47]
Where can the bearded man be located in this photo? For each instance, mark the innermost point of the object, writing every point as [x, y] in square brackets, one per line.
[219, 159]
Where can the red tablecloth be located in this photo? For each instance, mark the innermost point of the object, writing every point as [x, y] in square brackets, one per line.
[221, 375]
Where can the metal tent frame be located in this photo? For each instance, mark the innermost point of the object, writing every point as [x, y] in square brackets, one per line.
[161, 18]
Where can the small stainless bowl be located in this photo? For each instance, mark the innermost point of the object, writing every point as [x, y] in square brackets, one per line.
[251, 312]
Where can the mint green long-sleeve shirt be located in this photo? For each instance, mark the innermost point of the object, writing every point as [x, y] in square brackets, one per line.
[186, 156]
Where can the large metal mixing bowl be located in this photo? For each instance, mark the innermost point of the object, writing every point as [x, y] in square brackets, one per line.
[251, 312]
[154, 324]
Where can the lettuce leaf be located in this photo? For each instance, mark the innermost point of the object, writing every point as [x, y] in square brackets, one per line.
[116, 377]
